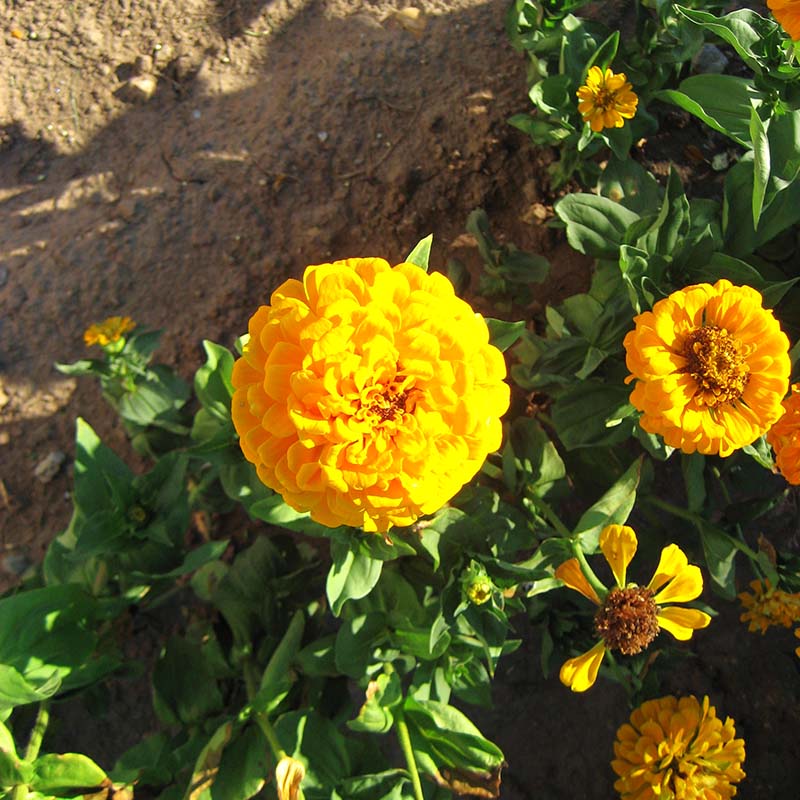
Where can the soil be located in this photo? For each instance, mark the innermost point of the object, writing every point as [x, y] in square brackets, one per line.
[175, 160]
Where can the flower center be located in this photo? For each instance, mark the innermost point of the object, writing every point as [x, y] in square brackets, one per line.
[627, 621]
[716, 362]
[388, 405]
[605, 99]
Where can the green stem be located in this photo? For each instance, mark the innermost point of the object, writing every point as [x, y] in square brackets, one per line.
[588, 572]
[22, 790]
[404, 738]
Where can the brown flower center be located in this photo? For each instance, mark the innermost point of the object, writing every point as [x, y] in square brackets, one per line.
[627, 621]
[605, 99]
[716, 361]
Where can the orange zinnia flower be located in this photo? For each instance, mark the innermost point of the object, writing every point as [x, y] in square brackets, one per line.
[677, 748]
[108, 331]
[711, 367]
[784, 437]
[368, 394]
[606, 99]
[787, 12]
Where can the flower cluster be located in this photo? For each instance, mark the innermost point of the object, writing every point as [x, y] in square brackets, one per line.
[606, 99]
[108, 331]
[368, 395]
[787, 12]
[767, 607]
[630, 616]
[710, 366]
[677, 748]
[784, 438]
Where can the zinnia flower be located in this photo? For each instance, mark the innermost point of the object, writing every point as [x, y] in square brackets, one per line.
[677, 749]
[630, 616]
[606, 99]
[108, 331]
[368, 394]
[711, 367]
[784, 437]
[766, 607]
[787, 12]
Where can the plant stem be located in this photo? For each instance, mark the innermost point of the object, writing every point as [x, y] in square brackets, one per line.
[22, 790]
[588, 572]
[404, 738]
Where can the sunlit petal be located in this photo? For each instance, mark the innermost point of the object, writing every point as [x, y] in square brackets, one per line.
[570, 573]
[581, 672]
[686, 585]
[682, 622]
[618, 544]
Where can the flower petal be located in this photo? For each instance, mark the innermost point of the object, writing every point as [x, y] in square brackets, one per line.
[580, 673]
[672, 561]
[618, 543]
[570, 573]
[686, 585]
[681, 622]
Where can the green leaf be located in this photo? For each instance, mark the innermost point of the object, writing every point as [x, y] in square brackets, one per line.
[612, 508]
[604, 54]
[212, 381]
[421, 253]
[627, 182]
[391, 784]
[356, 643]
[692, 467]
[352, 574]
[61, 774]
[277, 678]
[375, 715]
[720, 552]
[207, 766]
[178, 700]
[595, 225]
[13, 770]
[504, 334]
[723, 102]
[593, 414]
[245, 768]
[761, 163]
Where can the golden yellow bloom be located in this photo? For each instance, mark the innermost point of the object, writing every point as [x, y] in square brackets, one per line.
[108, 331]
[368, 394]
[289, 775]
[711, 367]
[631, 616]
[677, 749]
[787, 12]
[766, 607]
[606, 99]
[784, 437]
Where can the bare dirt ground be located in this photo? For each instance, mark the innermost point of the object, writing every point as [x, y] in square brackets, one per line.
[175, 161]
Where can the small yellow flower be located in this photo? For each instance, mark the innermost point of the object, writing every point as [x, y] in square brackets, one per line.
[787, 12]
[766, 607]
[368, 395]
[606, 99]
[289, 775]
[677, 748]
[630, 616]
[784, 437]
[108, 331]
[711, 367]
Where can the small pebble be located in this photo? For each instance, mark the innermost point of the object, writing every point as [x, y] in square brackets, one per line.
[49, 466]
[16, 563]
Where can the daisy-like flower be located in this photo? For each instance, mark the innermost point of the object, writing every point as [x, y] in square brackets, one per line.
[677, 748]
[711, 366]
[784, 437]
[629, 616]
[368, 395]
[767, 607]
[787, 12]
[606, 100]
[108, 331]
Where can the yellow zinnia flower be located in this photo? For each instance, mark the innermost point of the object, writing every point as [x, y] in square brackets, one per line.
[630, 616]
[711, 367]
[784, 437]
[368, 395]
[787, 12]
[606, 99]
[108, 331]
[677, 748]
[766, 607]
